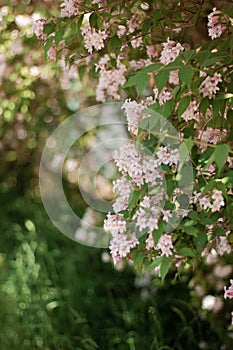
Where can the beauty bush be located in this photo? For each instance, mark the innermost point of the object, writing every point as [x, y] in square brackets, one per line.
[170, 63]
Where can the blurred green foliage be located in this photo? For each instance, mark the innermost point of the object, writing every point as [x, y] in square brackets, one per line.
[55, 293]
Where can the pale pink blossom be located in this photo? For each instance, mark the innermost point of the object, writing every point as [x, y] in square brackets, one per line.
[215, 27]
[229, 290]
[150, 242]
[170, 52]
[174, 77]
[223, 246]
[115, 224]
[38, 26]
[136, 42]
[121, 31]
[209, 85]
[191, 112]
[52, 52]
[69, 8]
[140, 63]
[151, 51]
[165, 244]
[110, 81]
[93, 38]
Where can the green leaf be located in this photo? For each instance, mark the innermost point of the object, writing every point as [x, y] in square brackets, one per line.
[186, 75]
[151, 68]
[161, 79]
[133, 200]
[81, 71]
[157, 233]
[114, 42]
[185, 251]
[93, 20]
[49, 28]
[142, 83]
[220, 156]
[200, 241]
[183, 105]
[188, 55]
[141, 80]
[59, 36]
[164, 268]
[138, 258]
[146, 26]
[168, 108]
[184, 150]
[47, 45]
[80, 21]
[205, 103]
[211, 61]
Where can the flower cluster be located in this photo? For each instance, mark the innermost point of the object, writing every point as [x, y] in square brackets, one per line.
[109, 80]
[93, 38]
[38, 27]
[223, 246]
[229, 291]
[69, 8]
[121, 243]
[210, 135]
[214, 202]
[147, 216]
[215, 27]
[209, 86]
[143, 168]
[133, 112]
[165, 245]
[192, 112]
[170, 52]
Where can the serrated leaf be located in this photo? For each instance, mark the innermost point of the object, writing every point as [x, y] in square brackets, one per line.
[211, 61]
[157, 233]
[188, 55]
[93, 20]
[220, 156]
[183, 105]
[134, 197]
[205, 103]
[151, 68]
[49, 28]
[155, 263]
[59, 36]
[80, 21]
[186, 75]
[138, 258]
[114, 42]
[185, 251]
[161, 79]
[200, 241]
[142, 83]
[47, 45]
[146, 26]
[168, 108]
[164, 268]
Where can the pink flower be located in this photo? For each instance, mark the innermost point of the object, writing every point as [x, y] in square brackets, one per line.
[209, 86]
[52, 52]
[170, 52]
[215, 27]
[229, 291]
[69, 8]
[38, 27]
[165, 244]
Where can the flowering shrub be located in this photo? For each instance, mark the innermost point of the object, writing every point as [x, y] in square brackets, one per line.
[171, 64]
